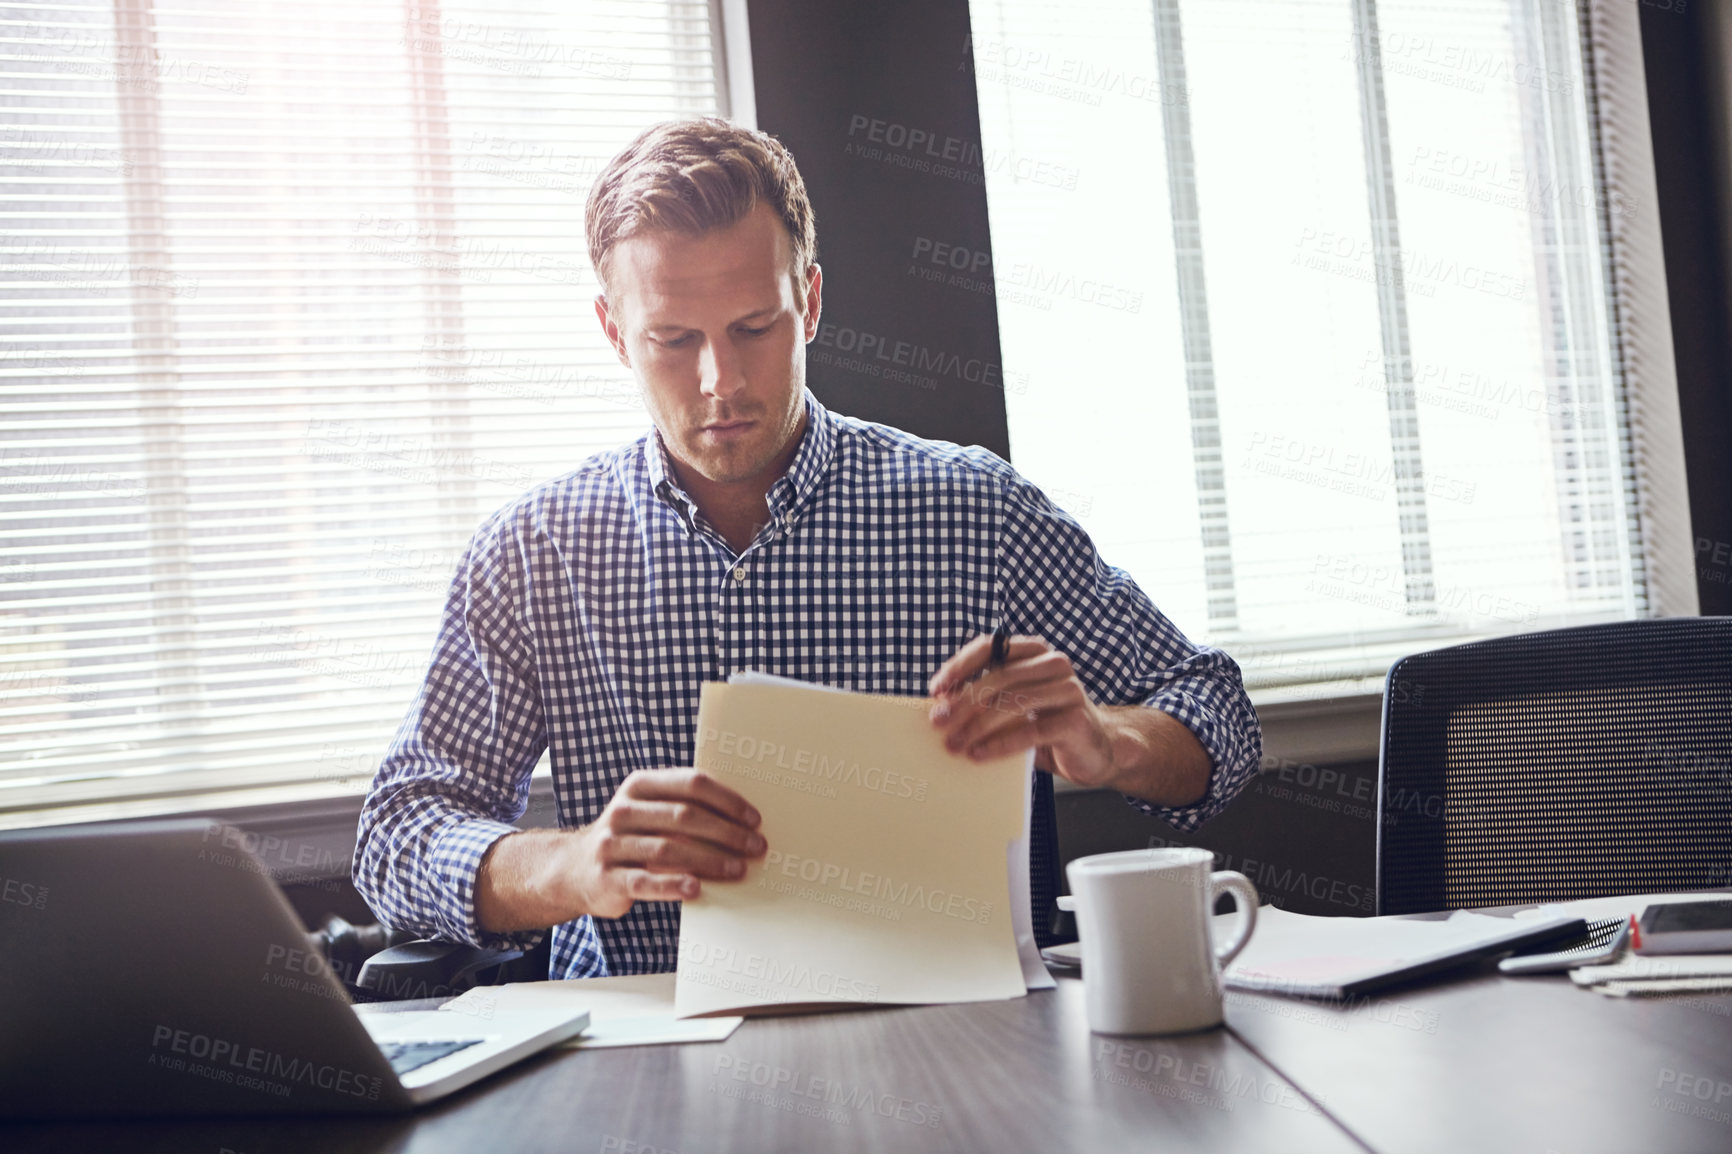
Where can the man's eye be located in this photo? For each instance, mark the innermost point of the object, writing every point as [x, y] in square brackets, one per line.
[675, 342]
[756, 332]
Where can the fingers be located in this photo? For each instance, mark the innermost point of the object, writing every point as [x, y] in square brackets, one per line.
[644, 886]
[1040, 726]
[692, 785]
[1015, 688]
[973, 657]
[670, 855]
[1012, 736]
[684, 819]
[664, 832]
[1041, 685]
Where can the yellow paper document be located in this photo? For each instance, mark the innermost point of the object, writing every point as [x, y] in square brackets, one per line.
[887, 878]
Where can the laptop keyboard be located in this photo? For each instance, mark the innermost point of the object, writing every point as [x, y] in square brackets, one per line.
[407, 1056]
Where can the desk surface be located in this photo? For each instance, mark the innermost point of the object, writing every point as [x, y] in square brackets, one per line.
[1489, 1062]
[999, 1076]
[1483, 1063]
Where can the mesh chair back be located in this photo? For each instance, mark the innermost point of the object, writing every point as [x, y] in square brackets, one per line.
[1568, 764]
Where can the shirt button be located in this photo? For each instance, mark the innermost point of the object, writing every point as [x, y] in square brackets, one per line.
[739, 573]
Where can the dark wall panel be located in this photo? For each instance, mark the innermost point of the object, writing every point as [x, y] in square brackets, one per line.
[1692, 217]
[877, 102]
[1305, 835]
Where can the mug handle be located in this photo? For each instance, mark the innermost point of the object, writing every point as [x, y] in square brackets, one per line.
[1244, 905]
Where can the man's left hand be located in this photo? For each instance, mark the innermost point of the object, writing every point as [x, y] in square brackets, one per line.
[1034, 700]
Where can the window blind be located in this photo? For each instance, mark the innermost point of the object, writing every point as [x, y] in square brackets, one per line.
[294, 296]
[1331, 285]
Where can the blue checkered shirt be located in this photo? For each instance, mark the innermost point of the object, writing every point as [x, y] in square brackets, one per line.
[585, 616]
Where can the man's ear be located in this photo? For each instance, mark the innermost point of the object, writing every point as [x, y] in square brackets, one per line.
[814, 300]
[610, 329]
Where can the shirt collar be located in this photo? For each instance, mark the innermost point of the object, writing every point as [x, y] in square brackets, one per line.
[811, 461]
[789, 491]
[661, 473]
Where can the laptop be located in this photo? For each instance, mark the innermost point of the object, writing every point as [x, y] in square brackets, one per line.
[155, 969]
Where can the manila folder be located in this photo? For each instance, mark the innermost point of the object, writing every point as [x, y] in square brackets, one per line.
[886, 879]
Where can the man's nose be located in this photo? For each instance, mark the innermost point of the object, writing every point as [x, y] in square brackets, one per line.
[722, 374]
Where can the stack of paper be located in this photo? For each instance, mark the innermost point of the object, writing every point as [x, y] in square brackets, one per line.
[897, 871]
[1636, 975]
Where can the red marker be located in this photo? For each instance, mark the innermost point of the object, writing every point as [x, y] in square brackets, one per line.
[1635, 934]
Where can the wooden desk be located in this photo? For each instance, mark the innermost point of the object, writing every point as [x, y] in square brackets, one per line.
[1488, 1062]
[1024, 1075]
[1480, 1063]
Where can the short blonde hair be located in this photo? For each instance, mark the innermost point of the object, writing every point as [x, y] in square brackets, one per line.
[691, 176]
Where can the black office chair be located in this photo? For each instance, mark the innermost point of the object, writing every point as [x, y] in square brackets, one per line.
[379, 964]
[1574, 763]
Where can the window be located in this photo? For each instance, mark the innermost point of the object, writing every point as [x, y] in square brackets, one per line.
[1333, 278]
[295, 295]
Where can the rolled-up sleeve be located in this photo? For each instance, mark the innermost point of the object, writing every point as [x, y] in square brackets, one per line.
[1125, 651]
[457, 775]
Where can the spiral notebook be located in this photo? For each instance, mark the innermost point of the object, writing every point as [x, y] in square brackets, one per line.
[1327, 957]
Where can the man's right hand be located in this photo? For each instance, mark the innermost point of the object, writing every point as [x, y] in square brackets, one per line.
[664, 833]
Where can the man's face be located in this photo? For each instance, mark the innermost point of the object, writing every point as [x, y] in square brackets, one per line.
[715, 331]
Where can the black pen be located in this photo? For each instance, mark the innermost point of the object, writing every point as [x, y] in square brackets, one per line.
[1000, 647]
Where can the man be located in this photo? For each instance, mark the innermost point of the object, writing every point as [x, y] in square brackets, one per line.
[752, 529]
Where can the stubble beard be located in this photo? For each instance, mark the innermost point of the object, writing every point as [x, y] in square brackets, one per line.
[731, 464]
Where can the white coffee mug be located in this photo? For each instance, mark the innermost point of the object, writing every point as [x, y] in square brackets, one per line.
[1150, 965]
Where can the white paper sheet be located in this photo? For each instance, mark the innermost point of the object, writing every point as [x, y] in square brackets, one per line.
[629, 1011]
